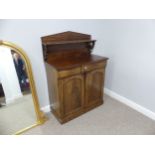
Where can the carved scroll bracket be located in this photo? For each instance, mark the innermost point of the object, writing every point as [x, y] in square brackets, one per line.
[91, 45]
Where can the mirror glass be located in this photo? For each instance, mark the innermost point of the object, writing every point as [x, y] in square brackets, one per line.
[16, 103]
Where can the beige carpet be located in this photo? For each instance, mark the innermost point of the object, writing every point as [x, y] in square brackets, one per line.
[111, 118]
[17, 115]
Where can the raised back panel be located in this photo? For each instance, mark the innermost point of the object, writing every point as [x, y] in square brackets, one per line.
[67, 44]
[66, 51]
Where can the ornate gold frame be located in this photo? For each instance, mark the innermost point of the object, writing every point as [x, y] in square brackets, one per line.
[39, 114]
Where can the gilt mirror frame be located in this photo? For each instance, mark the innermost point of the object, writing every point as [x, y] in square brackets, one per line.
[40, 118]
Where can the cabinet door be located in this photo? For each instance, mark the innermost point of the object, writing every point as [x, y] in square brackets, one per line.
[94, 87]
[73, 94]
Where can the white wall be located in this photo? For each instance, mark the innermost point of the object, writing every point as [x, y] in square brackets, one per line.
[128, 43]
[8, 76]
[27, 33]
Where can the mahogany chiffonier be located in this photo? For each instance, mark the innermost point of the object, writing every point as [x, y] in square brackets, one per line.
[75, 76]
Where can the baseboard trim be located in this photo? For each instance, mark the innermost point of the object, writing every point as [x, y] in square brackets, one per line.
[46, 109]
[130, 103]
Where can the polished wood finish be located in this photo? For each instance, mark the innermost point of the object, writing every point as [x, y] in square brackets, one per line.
[73, 94]
[93, 85]
[75, 76]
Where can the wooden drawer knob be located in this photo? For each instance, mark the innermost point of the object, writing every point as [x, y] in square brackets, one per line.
[85, 67]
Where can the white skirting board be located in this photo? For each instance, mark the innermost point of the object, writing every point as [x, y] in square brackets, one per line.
[123, 100]
[130, 103]
[46, 109]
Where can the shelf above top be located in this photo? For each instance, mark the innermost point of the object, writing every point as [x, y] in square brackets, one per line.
[68, 42]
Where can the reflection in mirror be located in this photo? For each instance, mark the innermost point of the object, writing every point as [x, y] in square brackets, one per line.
[16, 103]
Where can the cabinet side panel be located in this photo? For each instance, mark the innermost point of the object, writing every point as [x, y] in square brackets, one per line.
[53, 88]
